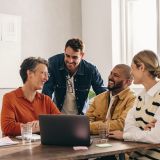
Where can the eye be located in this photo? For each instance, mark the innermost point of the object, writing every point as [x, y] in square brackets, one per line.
[75, 57]
[67, 55]
[116, 75]
[45, 73]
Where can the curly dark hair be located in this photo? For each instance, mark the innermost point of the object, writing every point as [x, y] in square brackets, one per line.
[30, 64]
[75, 43]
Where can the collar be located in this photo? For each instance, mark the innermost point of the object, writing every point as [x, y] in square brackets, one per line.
[20, 94]
[122, 94]
[81, 68]
[152, 91]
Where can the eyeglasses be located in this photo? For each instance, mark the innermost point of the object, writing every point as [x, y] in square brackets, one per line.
[46, 74]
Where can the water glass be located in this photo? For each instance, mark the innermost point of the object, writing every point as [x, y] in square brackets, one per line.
[26, 133]
[103, 130]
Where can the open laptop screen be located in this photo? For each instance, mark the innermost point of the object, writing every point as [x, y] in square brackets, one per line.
[64, 130]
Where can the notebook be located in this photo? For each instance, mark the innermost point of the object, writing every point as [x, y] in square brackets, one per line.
[64, 130]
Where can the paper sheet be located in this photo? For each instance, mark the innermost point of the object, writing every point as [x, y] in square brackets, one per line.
[7, 141]
[104, 145]
[76, 148]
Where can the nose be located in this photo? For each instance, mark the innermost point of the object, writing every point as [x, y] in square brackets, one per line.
[70, 59]
[46, 76]
[110, 76]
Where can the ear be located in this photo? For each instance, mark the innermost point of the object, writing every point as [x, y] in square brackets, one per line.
[82, 54]
[128, 82]
[29, 73]
[142, 67]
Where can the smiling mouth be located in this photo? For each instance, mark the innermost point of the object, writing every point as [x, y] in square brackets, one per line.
[70, 64]
[110, 83]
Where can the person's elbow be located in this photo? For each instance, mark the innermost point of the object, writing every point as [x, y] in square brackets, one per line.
[8, 130]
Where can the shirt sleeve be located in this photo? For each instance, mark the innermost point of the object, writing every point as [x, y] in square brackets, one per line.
[134, 133]
[97, 82]
[9, 125]
[92, 118]
[53, 107]
[48, 87]
[91, 109]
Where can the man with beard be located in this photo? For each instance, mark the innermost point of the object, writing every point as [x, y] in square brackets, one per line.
[112, 106]
[71, 78]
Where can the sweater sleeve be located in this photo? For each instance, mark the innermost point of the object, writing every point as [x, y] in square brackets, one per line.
[134, 133]
[9, 125]
[92, 118]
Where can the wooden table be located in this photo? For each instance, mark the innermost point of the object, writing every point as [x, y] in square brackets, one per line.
[36, 151]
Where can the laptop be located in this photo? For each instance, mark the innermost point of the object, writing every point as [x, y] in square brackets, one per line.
[64, 130]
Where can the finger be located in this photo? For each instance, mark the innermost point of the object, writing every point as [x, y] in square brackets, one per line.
[111, 132]
[154, 121]
[111, 136]
[37, 124]
[30, 123]
[33, 124]
[152, 124]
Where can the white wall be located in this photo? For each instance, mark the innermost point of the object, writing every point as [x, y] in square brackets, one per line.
[46, 25]
[158, 43]
[10, 50]
[96, 33]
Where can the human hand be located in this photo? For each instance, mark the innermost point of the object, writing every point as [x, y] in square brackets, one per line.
[150, 125]
[92, 118]
[116, 134]
[35, 126]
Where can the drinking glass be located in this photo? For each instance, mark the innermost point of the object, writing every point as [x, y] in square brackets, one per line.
[103, 129]
[26, 133]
